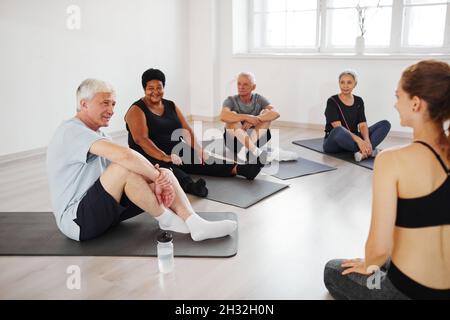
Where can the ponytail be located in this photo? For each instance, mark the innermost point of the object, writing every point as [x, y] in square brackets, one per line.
[448, 142]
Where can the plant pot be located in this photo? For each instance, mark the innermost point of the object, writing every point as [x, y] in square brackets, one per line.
[360, 44]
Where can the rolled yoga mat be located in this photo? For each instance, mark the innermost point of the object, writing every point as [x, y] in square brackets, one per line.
[297, 168]
[36, 234]
[317, 145]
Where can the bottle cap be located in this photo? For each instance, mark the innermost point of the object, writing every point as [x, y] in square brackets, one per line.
[165, 237]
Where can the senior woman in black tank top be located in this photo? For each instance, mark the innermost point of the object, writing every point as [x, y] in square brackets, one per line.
[155, 126]
[408, 245]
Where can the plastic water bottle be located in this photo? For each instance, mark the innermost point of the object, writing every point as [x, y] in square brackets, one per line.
[165, 252]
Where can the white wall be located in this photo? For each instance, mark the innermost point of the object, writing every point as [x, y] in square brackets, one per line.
[299, 88]
[203, 56]
[42, 62]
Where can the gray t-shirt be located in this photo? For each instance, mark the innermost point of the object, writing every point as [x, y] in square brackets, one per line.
[254, 108]
[72, 170]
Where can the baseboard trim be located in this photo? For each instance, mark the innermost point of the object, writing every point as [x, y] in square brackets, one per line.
[292, 124]
[118, 134]
[40, 152]
[29, 154]
[277, 123]
[203, 118]
[401, 134]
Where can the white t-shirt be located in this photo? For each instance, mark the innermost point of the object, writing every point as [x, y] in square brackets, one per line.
[72, 170]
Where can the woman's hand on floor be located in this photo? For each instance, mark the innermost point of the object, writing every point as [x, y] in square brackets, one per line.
[354, 266]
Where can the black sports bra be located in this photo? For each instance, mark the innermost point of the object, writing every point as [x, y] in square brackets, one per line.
[427, 211]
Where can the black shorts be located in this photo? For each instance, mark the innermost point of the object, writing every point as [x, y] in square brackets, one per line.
[98, 211]
[235, 145]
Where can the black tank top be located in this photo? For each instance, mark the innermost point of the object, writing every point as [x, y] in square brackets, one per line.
[427, 211]
[160, 128]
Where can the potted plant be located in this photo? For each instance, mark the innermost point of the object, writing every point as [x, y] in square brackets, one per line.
[360, 42]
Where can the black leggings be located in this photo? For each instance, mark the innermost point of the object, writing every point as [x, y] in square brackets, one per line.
[191, 165]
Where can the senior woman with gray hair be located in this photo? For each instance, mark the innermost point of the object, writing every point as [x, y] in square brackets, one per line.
[346, 128]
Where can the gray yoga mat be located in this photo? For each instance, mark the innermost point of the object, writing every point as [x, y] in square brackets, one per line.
[238, 191]
[36, 234]
[297, 168]
[316, 145]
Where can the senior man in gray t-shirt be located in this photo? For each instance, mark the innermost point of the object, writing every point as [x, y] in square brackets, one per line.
[96, 183]
[247, 118]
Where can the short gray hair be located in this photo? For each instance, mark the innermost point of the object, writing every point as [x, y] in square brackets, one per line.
[349, 72]
[89, 87]
[250, 76]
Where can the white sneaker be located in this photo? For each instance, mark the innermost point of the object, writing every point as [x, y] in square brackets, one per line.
[285, 155]
[266, 148]
[271, 156]
[375, 152]
[263, 159]
[358, 156]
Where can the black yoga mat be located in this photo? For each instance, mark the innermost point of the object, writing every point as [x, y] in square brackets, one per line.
[297, 168]
[316, 145]
[36, 234]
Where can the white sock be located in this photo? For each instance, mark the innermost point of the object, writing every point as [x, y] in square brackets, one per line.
[168, 220]
[202, 229]
[358, 156]
[257, 152]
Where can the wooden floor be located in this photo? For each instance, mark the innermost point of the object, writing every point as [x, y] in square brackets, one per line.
[284, 240]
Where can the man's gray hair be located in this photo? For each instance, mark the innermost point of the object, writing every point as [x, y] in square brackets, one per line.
[89, 87]
[349, 72]
[250, 76]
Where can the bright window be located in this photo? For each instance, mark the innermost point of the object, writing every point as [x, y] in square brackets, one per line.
[284, 23]
[333, 25]
[346, 21]
[424, 23]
